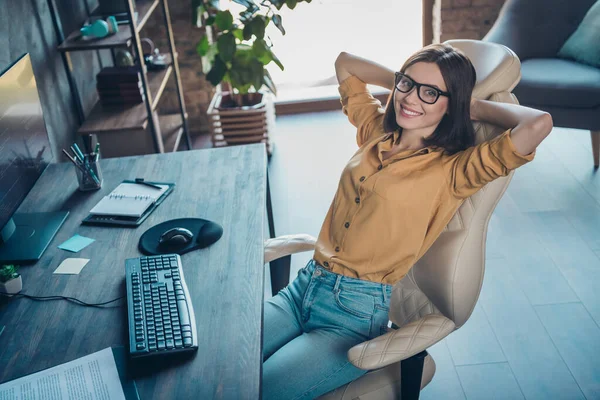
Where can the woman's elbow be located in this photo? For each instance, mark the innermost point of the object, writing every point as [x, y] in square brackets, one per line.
[340, 58]
[544, 124]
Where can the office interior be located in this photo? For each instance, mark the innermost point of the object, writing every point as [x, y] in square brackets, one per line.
[534, 329]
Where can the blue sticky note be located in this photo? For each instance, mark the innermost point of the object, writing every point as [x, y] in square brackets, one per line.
[76, 243]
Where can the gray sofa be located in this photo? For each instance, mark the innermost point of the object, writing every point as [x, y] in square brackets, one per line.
[536, 30]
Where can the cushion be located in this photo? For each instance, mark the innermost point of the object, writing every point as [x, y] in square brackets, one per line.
[582, 45]
[558, 83]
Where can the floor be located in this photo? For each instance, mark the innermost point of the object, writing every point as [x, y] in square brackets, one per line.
[535, 332]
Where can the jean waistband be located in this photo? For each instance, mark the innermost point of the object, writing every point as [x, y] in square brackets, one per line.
[335, 280]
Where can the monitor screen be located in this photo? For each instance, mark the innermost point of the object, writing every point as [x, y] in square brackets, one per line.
[24, 147]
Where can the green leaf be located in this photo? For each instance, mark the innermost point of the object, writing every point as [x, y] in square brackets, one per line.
[210, 20]
[278, 23]
[203, 46]
[276, 61]
[238, 33]
[257, 25]
[269, 82]
[224, 20]
[216, 74]
[256, 69]
[226, 46]
[259, 48]
[277, 3]
[291, 3]
[247, 32]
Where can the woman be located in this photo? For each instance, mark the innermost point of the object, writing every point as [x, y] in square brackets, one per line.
[415, 163]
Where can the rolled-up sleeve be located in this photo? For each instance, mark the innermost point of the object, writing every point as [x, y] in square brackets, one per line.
[471, 169]
[363, 110]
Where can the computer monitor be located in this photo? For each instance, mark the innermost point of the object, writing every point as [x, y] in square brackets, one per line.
[24, 155]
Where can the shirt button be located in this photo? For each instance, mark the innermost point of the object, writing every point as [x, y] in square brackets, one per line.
[362, 178]
[380, 167]
[347, 224]
[318, 272]
[326, 264]
[357, 200]
[337, 249]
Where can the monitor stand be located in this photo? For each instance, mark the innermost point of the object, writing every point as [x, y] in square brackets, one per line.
[27, 235]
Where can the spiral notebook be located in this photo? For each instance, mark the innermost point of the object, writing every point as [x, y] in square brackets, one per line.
[129, 200]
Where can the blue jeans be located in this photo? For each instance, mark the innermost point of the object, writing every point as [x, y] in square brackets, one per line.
[310, 325]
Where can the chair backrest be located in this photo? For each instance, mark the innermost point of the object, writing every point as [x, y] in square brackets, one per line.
[537, 28]
[448, 278]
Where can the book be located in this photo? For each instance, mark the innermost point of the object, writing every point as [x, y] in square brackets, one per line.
[129, 200]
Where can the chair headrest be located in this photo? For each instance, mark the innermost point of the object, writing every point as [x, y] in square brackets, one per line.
[498, 68]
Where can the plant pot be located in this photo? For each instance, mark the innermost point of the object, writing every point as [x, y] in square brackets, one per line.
[231, 125]
[12, 286]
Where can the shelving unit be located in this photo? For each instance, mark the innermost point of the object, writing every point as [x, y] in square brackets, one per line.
[135, 125]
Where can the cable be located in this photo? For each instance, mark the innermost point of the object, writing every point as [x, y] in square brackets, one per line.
[71, 299]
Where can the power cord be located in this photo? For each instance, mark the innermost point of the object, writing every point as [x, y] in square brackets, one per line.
[71, 299]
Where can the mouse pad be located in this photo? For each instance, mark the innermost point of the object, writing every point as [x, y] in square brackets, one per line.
[205, 233]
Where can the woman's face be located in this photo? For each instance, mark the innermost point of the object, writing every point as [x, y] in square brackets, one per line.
[411, 112]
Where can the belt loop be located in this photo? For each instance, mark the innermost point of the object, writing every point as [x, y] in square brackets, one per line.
[336, 287]
[386, 295]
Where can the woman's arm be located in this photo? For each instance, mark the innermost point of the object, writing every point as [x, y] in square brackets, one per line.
[529, 126]
[367, 71]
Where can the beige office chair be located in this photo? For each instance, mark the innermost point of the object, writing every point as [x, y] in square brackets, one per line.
[439, 293]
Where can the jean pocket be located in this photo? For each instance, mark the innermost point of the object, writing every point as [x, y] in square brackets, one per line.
[379, 324]
[358, 304]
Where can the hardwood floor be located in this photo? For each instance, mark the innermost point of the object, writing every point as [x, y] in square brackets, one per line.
[535, 332]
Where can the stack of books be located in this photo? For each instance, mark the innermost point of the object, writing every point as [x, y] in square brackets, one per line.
[119, 86]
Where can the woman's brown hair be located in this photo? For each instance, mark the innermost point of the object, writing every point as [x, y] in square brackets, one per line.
[455, 131]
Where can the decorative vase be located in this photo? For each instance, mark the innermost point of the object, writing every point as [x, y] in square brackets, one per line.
[12, 286]
[230, 124]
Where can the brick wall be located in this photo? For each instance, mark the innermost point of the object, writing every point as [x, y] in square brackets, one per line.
[464, 19]
[197, 91]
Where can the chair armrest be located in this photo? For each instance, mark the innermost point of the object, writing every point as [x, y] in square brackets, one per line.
[288, 244]
[402, 343]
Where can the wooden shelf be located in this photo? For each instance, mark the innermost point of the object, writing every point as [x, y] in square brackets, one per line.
[171, 127]
[74, 42]
[104, 119]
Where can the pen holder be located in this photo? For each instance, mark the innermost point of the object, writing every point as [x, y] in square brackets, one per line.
[89, 174]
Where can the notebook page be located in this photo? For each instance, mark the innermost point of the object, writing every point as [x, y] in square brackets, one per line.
[128, 199]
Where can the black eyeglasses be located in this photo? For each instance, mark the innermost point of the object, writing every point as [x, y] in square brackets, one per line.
[427, 94]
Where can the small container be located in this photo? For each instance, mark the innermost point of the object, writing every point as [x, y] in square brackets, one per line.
[89, 174]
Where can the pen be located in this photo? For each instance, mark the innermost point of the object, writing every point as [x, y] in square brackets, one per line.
[70, 157]
[141, 181]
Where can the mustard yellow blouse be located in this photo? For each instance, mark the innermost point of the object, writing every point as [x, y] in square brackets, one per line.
[386, 214]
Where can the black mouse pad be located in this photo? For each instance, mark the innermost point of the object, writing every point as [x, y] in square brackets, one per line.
[149, 241]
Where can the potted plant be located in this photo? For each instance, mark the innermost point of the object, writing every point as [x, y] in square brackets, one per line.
[236, 58]
[10, 280]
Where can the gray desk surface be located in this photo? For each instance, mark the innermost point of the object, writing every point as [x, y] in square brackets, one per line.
[225, 280]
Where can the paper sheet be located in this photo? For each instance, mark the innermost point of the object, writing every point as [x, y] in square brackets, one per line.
[71, 266]
[76, 243]
[93, 377]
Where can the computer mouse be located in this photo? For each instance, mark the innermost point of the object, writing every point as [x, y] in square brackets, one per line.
[176, 237]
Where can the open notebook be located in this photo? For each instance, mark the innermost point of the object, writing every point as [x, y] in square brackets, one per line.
[129, 199]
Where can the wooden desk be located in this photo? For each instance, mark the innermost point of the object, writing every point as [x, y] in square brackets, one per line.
[225, 280]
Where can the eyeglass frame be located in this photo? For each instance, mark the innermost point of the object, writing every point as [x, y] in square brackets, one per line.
[398, 77]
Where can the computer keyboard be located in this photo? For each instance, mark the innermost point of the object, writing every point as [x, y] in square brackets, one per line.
[159, 309]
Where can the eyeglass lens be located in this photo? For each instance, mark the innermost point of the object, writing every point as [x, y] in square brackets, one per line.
[426, 93]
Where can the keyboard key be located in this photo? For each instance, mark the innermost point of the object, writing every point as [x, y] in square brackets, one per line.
[169, 343]
[161, 344]
[187, 342]
[178, 343]
[140, 346]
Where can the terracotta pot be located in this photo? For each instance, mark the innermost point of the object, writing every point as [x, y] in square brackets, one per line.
[231, 125]
[12, 286]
